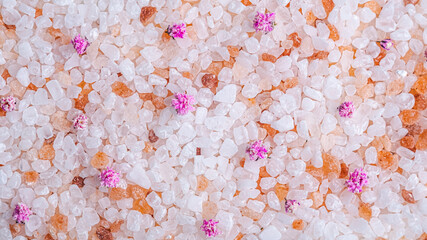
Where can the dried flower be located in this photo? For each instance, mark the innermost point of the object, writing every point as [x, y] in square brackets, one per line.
[357, 180]
[183, 103]
[257, 150]
[210, 228]
[264, 22]
[80, 122]
[109, 178]
[21, 213]
[176, 31]
[346, 109]
[80, 44]
[387, 44]
[8, 104]
[291, 205]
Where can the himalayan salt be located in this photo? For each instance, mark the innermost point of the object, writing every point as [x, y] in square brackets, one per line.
[365, 211]
[31, 177]
[152, 136]
[210, 81]
[268, 58]
[215, 68]
[288, 83]
[374, 6]
[317, 199]
[120, 89]
[15, 229]
[409, 117]
[344, 171]
[246, 2]
[115, 226]
[59, 222]
[310, 18]
[315, 172]
[59, 121]
[79, 181]
[407, 196]
[298, 224]
[270, 131]
[210, 209]
[48, 237]
[233, 51]
[137, 192]
[331, 166]
[319, 55]
[395, 87]
[202, 183]
[423, 237]
[414, 2]
[99, 160]
[380, 57]
[281, 191]
[420, 102]
[146, 15]
[118, 193]
[104, 234]
[250, 213]
[366, 91]
[47, 152]
[333, 32]
[385, 141]
[414, 129]
[198, 151]
[143, 207]
[296, 40]
[328, 5]
[407, 142]
[386, 159]
[422, 141]
[421, 84]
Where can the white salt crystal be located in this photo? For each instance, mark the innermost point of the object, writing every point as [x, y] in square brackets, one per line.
[366, 15]
[23, 76]
[151, 53]
[134, 220]
[400, 35]
[257, 206]
[127, 68]
[273, 201]
[33, 223]
[55, 89]
[111, 51]
[328, 124]
[194, 203]
[250, 90]
[138, 176]
[25, 50]
[296, 168]
[30, 116]
[285, 123]
[332, 202]
[252, 45]
[288, 103]
[270, 233]
[227, 94]
[228, 148]
[371, 155]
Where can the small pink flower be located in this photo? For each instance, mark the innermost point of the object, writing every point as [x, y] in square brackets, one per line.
[291, 205]
[183, 103]
[109, 178]
[387, 44]
[346, 109]
[257, 150]
[80, 122]
[264, 22]
[210, 228]
[425, 55]
[357, 180]
[21, 213]
[80, 44]
[8, 104]
[176, 31]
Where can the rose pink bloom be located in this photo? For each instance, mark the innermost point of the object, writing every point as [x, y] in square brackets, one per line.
[21, 213]
[109, 178]
[264, 22]
[210, 228]
[8, 104]
[183, 103]
[80, 122]
[346, 109]
[80, 44]
[357, 180]
[257, 150]
[291, 205]
[176, 31]
[387, 44]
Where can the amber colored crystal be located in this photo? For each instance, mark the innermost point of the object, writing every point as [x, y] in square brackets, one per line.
[420, 102]
[158, 102]
[233, 51]
[99, 160]
[146, 13]
[152, 136]
[143, 207]
[407, 196]
[366, 91]
[310, 18]
[298, 224]
[386, 159]
[115, 226]
[317, 199]
[333, 32]
[295, 39]
[344, 171]
[239, 236]
[250, 213]
[210, 209]
[121, 89]
[281, 191]
[414, 129]
[118, 193]
[246, 2]
[31, 177]
[48, 237]
[210, 80]
[409, 117]
[79, 181]
[331, 166]
[288, 83]
[202, 183]
[47, 152]
[395, 87]
[270, 131]
[137, 192]
[423, 237]
[104, 234]
[374, 6]
[365, 211]
[328, 5]
[268, 58]
[380, 56]
[407, 142]
[59, 222]
[422, 141]
[421, 84]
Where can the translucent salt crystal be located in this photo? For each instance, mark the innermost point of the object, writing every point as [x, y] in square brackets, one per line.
[257, 206]
[194, 203]
[127, 68]
[285, 123]
[320, 44]
[250, 90]
[227, 94]
[134, 220]
[270, 233]
[329, 123]
[23, 76]
[377, 226]
[25, 50]
[111, 51]
[5, 233]
[30, 116]
[240, 135]
[139, 176]
[273, 201]
[296, 168]
[151, 53]
[360, 225]
[332, 89]
[200, 25]
[400, 35]
[366, 15]
[33, 223]
[288, 103]
[252, 45]
[371, 155]
[332, 202]
[55, 89]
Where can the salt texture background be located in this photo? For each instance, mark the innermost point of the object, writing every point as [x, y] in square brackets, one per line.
[283, 87]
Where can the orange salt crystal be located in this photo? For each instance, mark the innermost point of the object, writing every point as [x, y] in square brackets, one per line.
[380, 56]
[385, 159]
[315, 172]
[420, 102]
[164, 73]
[137, 192]
[48, 237]
[422, 141]
[423, 237]
[239, 236]
[121, 90]
[374, 6]
[365, 211]
[210, 209]
[147, 14]
[99, 160]
[246, 2]
[344, 171]
[118, 193]
[288, 83]
[268, 58]
[59, 222]
[47, 152]
[202, 183]
[331, 166]
[295, 39]
[421, 84]
[215, 68]
[395, 87]
[15, 229]
[298, 224]
[79, 181]
[281, 191]
[270, 131]
[317, 198]
[385, 141]
[210, 81]
[414, 129]
[251, 213]
[310, 18]
[233, 51]
[142, 206]
[328, 5]
[39, 12]
[31, 177]
[414, 2]
[407, 196]
[409, 117]
[115, 226]
[366, 91]
[158, 102]
[407, 142]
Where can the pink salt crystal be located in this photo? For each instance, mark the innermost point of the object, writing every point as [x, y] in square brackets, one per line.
[257, 150]
[357, 180]
[8, 104]
[387, 44]
[21, 213]
[210, 228]
[183, 103]
[109, 178]
[80, 122]
[264, 22]
[176, 31]
[346, 109]
[291, 205]
[80, 44]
